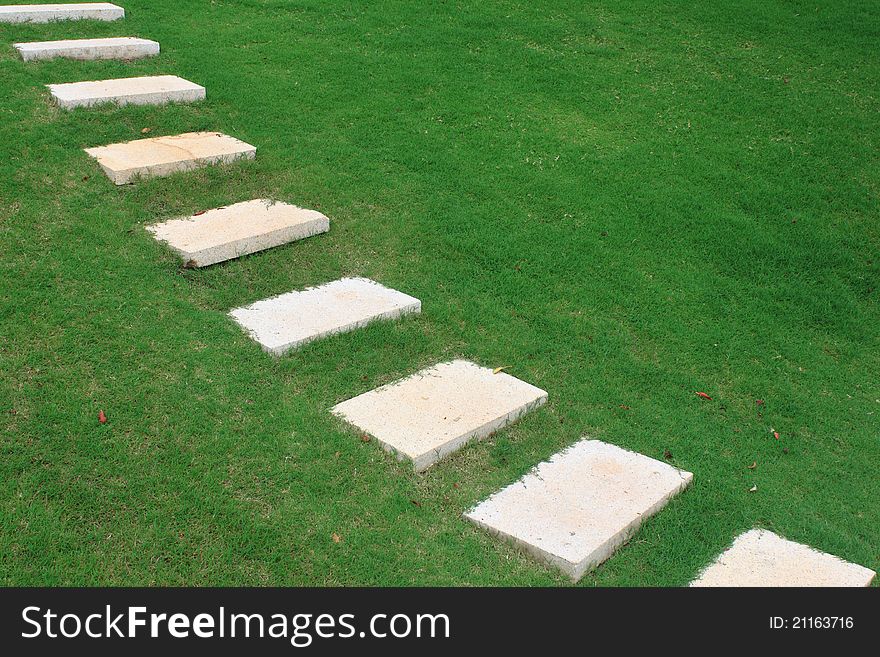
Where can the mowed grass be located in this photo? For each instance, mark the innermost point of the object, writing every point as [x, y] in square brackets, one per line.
[625, 203]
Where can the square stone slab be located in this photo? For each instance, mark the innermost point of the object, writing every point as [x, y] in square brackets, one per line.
[162, 156]
[291, 320]
[437, 411]
[762, 558]
[576, 509]
[96, 11]
[236, 230]
[114, 48]
[151, 90]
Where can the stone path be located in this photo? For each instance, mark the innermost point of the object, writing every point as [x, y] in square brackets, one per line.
[437, 411]
[572, 511]
[162, 156]
[123, 48]
[45, 13]
[286, 322]
[576, 509]
[762, 558]
[237, 230]
[152, 90]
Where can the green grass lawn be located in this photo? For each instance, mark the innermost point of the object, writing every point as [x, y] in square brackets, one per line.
[625, 203]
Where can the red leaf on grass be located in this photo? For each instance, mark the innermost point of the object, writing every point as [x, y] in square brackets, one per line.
[102, 418]
[776, 435]
[703, 395]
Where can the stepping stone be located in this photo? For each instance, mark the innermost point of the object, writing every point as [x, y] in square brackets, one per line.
[115, 48]
[576, 509]
[291, 320]
[96, 11]
[153, 90]
[439, 410]
[162, 156]
[762, 558]
[237, 230]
